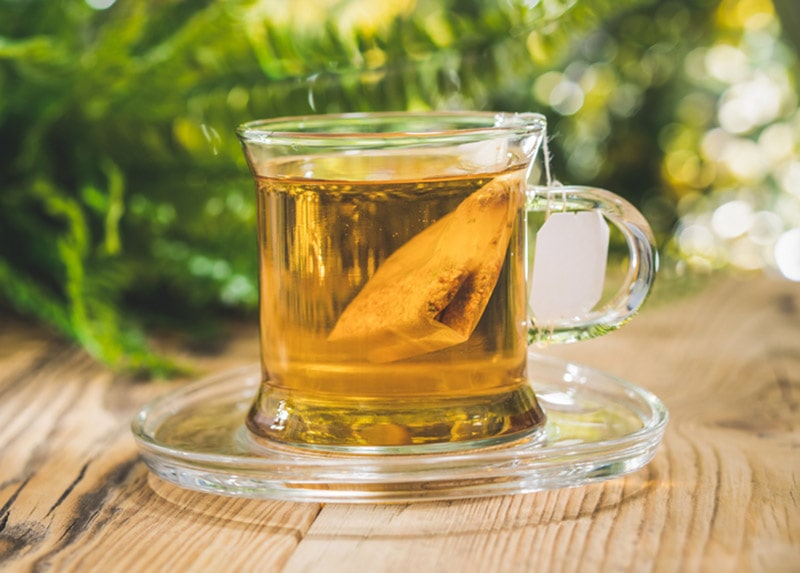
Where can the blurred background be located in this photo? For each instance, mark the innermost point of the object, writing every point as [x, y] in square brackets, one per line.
[126, 208]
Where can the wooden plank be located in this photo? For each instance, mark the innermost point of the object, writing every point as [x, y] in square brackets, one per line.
[74, 495]
[721, 494]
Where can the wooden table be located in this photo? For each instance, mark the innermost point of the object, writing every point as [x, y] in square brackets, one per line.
[722, 493]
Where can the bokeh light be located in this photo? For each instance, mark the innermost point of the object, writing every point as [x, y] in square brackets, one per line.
[100, 4]
[787, 254]
[743, 159]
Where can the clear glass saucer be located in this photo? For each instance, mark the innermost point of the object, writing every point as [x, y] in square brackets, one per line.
[598, 427]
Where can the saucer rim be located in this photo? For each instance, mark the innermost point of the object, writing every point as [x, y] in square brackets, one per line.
[302, 475]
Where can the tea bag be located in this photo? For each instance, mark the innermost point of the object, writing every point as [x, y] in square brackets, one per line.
[569, 265]
[431, 292]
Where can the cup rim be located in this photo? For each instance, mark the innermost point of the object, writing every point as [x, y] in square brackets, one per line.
[311, 128]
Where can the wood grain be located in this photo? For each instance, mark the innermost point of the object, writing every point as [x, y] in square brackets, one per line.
[74, 495]
[721, 494]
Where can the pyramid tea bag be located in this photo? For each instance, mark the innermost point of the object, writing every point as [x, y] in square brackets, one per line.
[431, 292]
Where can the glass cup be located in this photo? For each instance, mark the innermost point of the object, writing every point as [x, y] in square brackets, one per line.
[392, 273]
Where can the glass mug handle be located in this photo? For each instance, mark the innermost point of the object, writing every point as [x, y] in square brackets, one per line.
[642, 261]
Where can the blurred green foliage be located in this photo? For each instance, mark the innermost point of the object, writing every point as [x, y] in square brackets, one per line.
[125, 203]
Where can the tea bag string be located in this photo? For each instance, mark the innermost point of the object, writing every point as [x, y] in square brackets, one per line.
[551, 183]
[544, 335]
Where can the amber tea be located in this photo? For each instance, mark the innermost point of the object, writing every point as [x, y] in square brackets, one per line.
[399, 298]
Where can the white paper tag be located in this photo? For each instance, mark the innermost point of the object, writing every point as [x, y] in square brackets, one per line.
[569, 265]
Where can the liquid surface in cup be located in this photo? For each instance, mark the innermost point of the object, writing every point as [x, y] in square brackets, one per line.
[392, 303]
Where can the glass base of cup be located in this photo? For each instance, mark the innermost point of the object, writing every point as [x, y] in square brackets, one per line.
[399, 425]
